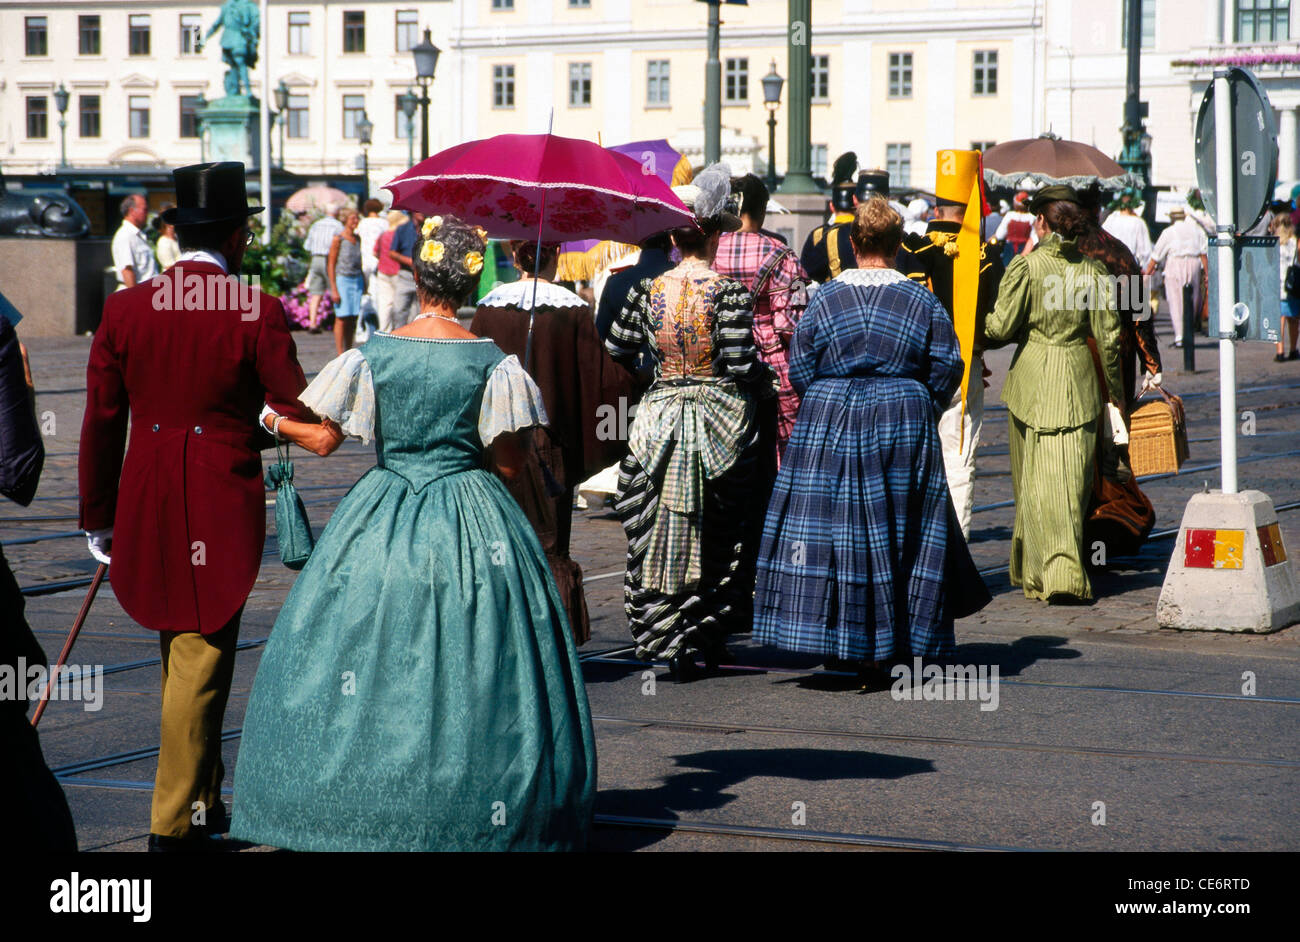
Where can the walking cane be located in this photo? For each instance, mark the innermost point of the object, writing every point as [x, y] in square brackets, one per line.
[67, 645]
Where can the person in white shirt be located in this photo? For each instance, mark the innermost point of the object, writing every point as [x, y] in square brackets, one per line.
[319, 239]
[1183, 250]
[1130, 228]
[133, 260]
[1016, 229]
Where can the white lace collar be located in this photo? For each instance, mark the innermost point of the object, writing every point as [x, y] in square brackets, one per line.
[519, 294]
[871, 277]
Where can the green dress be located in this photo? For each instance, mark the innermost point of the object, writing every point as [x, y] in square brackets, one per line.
[420, 690]
[1049, 303]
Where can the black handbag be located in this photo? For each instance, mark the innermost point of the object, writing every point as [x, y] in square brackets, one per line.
[1292, 282]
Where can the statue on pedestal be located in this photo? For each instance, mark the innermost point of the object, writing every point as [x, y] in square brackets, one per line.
[41, 216]
[241, 25]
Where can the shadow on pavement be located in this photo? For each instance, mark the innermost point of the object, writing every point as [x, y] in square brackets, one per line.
[703, 788]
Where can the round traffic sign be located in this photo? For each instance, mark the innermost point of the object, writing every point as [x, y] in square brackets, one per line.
[1254, 144]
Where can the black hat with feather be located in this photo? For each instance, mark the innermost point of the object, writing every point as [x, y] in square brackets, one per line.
[842, 186]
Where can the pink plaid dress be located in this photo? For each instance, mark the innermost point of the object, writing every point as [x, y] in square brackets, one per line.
[771, 272]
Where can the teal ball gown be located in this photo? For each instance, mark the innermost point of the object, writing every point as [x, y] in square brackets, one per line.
[420, 690]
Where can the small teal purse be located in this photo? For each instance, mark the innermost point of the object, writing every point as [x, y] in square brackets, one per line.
[292, 530]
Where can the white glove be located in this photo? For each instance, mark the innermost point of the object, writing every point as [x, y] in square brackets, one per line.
[98, 541]
[1150, 381]
[1113, 425]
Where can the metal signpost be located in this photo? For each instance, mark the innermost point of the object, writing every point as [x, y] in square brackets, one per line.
[1229, 570]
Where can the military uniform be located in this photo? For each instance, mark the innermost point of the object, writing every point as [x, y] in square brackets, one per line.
[931, 260]
[827, 251]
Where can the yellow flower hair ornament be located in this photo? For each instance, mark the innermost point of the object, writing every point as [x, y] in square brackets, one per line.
[432, 252]
[431, 225]
[473, 263]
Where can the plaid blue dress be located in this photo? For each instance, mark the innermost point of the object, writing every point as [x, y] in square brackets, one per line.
[861, 556]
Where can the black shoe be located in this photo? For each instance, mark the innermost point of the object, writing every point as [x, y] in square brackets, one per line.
[1279, 358]
[158, 844]
[683, 667]
[1293, 355]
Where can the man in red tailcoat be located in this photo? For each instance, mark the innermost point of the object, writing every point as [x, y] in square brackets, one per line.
[192, 357]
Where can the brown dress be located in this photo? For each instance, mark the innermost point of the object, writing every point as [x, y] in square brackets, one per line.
[581, 387]
[1119, 515]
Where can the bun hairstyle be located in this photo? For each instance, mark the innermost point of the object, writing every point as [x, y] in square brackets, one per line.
[877, 228]
[526, 256]
[448, 258]
[1067, 219]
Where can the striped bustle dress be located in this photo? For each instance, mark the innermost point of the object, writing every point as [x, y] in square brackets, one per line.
[688, 494]
[1050, 302]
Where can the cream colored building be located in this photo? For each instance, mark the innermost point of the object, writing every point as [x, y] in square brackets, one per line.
[894, 80]
[1182, 41]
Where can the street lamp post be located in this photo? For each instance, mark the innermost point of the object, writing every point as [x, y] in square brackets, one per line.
[408, 102]
[282, 105]
[61, 102]
[772, 85]
[1136, 155]
[426, 63]
[365, 128]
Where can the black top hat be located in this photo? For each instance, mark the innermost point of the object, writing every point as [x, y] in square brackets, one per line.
[210, 193]
[873, 181]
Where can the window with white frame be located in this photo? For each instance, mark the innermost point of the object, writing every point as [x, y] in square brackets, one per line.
[88, 113]
[821, 78]
[38, 35]
[138, 27]
[354, 30]
[408, 30]
[138, 110]
[191, 33]
[1149, 22]
[579, 84]
[296, 124]
[299, 33]
[354, 106]
[985, 78]
[38, 117]
[657, 82]
[503, 86]
[898, 161]
[818, 163]
[1257, 21]
[900, 75]
[736, 81]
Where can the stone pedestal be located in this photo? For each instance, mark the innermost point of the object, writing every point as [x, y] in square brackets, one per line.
[1229, 571]
[57, 285]
[233, 125]
[808, 212]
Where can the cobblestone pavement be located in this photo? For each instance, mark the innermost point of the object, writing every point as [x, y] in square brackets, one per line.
[1096, 704]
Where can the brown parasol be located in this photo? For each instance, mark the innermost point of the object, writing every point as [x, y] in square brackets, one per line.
[1049, 161]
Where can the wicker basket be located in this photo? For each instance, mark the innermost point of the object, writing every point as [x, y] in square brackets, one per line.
[1157, 437]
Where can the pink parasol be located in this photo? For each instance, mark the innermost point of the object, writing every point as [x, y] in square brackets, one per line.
[541, 186]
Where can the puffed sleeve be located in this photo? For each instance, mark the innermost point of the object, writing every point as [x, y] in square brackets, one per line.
[511, 401]
[627, 334]
[344, 391]
[734, 325]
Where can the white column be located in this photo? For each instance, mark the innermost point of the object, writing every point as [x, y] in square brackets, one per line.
[1287, 145]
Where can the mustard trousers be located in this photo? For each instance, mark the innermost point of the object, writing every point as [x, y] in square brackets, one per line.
[197, 671]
